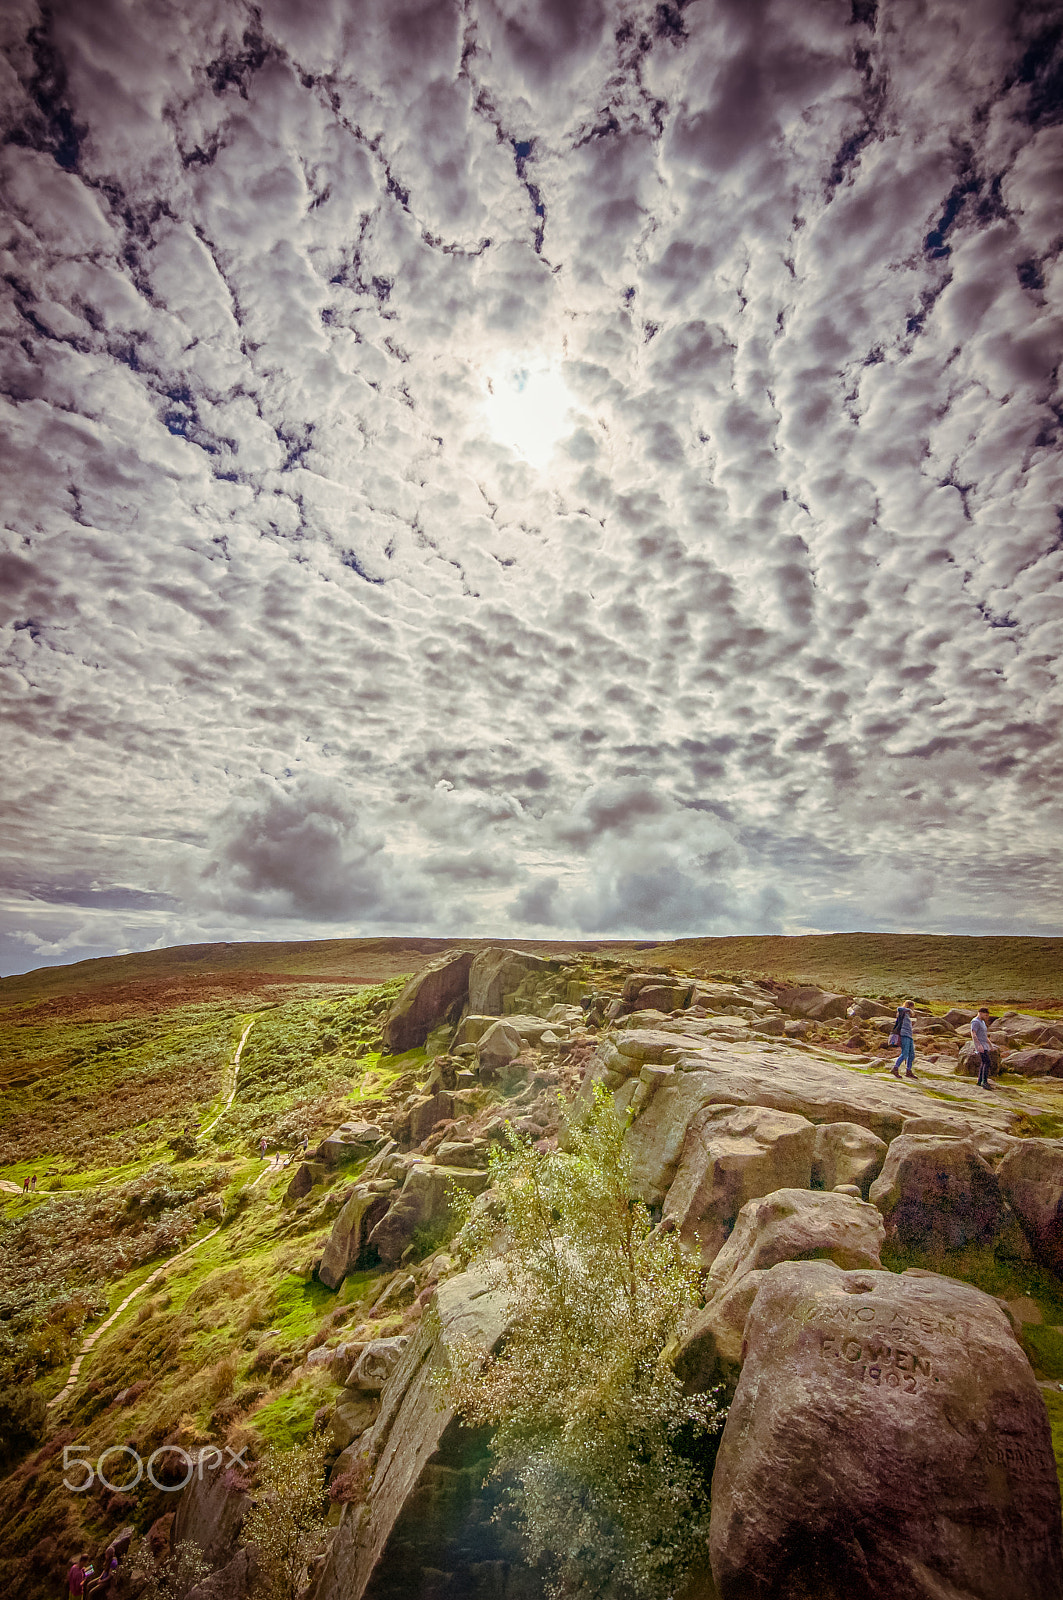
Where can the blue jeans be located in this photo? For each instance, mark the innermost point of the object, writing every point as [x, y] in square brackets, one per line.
[907, 1055]
[985, 1066]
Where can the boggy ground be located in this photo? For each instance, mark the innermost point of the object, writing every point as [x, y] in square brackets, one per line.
[106, 1070]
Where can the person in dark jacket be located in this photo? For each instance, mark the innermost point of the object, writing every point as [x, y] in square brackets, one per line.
[980, 1035]
[903, 1029]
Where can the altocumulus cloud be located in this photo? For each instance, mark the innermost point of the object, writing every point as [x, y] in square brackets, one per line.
[307, 625]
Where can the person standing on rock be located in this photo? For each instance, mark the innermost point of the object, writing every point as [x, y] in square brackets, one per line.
[980, 1035]
[262, 1148]
[902, 1029]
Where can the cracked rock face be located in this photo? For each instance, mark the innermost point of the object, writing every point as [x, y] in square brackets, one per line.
[887, 1438]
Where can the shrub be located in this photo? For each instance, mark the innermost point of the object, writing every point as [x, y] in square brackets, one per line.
[22, 1418]
[608, 1459]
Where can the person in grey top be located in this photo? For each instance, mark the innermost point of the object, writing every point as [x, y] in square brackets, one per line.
[980, 1035]
[903, 1027]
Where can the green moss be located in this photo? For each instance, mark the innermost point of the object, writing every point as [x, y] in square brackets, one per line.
[289, 1418]
[1004, 1279]
[1053, 1399]
[1044, 1347]
[298, 1307]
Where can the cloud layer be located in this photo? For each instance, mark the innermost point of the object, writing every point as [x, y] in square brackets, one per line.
[296, 639]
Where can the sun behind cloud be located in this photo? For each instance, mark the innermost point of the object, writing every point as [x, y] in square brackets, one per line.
[528, 409]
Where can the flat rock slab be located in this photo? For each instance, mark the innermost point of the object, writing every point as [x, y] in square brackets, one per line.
[775, 1076]
[887, 1439]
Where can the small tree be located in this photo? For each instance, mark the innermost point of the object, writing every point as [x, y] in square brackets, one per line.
[607, 1456]
[288, 1518]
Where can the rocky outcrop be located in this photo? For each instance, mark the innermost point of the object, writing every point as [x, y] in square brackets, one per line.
[760, 1075]
[415, 1426]
[351, 1141]
[360, 1215]
[937, 1193]
[887, 1438]
[1031, 1179]
[429, 999]
[730, 1155]
[496, 973]
[211, 1512]
[847, 1153]
[422, 1201]
[790, 1225]
[236, 1580]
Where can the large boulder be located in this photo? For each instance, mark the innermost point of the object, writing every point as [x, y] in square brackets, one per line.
[938, 1193]
[307, 1173]
[636, 981]
[1031, 1180]
[430, 997]
[1018, 1028]
[798, 1225]
[658, 996]
[498, 1046]
[353, 1413]
[1036, 1062]
[730, 1155]
[887, 1438]
[428, 1112]
[818, 1005]
[790, 1225]
[711, 1350]
[847, 1153]
[863, 1010]
[376, 1363]
[494, 974]
[351, 1229]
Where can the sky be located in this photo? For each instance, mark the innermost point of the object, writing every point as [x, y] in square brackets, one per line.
[534, 468]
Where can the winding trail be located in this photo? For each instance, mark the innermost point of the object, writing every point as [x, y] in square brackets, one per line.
[90, 1339]
[235, 1064]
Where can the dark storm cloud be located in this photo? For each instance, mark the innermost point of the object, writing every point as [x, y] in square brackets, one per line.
[295, 631]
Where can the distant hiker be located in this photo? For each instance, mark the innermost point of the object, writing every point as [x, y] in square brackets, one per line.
[306, 1144]
[75, 1578]
[33, 1184]
[26, 1184]
[902, 1035]
[262, 1147]
[980, 1035]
